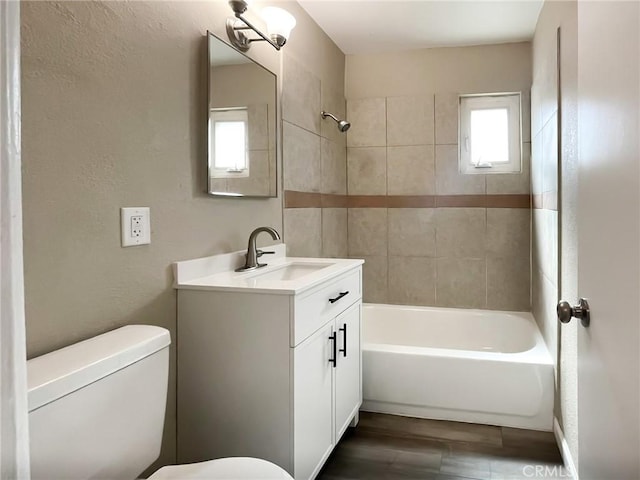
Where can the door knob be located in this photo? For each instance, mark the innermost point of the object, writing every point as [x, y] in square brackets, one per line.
[565, 311]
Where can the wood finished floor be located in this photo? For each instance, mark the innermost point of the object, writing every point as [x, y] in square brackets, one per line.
[389, 447]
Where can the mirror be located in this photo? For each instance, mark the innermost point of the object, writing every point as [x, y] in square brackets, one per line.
[241, 124]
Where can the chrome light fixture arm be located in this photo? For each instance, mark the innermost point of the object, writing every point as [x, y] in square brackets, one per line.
[279, 25]
[241, 41]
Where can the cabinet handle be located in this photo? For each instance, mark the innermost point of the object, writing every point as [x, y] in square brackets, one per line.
[334, 340]
[342, 294]
[343, 350]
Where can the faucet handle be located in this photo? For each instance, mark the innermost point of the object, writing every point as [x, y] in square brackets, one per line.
[259, 253]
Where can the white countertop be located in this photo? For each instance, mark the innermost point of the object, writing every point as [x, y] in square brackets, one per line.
[217, 272]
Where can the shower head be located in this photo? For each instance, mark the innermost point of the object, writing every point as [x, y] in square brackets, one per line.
[343, 125]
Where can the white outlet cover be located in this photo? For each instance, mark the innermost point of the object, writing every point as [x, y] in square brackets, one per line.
[126, 215]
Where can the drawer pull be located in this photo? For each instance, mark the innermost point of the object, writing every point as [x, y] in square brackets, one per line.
[334, 341]
[342, 294]
[343, 329]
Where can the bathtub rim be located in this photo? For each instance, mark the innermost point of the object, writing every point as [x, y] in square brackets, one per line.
[538, 354]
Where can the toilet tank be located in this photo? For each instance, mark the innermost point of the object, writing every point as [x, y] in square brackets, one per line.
[96, 408]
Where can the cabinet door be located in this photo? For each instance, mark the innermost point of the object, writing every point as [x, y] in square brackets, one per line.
[348, 379]
[313, 413]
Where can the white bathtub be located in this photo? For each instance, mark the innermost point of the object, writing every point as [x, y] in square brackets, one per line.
[475, 366]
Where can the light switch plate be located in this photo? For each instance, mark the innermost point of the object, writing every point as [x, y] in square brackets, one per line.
[135, 225]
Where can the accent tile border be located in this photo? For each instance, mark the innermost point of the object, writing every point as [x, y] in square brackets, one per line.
[294, 199]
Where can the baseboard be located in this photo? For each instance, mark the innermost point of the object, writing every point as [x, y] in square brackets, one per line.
[564, 450]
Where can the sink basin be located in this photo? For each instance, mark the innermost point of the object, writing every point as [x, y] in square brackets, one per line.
[282, 276]
[288, 272]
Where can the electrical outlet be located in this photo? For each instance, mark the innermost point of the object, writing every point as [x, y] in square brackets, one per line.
[135, 226]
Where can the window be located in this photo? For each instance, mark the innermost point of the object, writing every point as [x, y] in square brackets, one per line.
[490, 134]
[229, 142]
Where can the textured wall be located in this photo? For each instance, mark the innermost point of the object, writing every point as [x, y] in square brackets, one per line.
[314, 151]
[549, 275]
[114, 114]
[485, 68]
[430, 235]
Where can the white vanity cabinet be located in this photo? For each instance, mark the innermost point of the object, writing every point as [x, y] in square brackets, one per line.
[269, 373]
[327, 394]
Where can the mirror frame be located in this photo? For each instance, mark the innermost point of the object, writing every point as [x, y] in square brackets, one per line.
[276, 133]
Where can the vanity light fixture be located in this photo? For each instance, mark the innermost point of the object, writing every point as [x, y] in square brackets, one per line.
[279, 25]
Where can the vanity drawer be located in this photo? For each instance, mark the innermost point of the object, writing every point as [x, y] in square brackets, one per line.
[312, 310]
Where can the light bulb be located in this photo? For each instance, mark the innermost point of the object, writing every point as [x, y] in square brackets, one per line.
[279, 23]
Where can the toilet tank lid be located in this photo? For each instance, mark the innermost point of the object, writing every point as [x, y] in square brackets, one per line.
[63, 371]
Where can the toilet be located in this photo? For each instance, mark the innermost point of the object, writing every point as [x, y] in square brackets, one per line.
[96, 411]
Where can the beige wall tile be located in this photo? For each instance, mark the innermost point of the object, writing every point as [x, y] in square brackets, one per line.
[536, 113]
[550, 155]
[449, 181]
[333, 102]
[536, 164]
[410, 120]
[257, 183]
[274, 170]
[460, 232]
[258, 120]
[301, 159]
[537, 237]
[525, 113]
[412, 280]
[543, 302]
[367, 231]
[367, 171]
[303, 232]
[374, 279]
[508, 232]
[334, 232]
[334, 167]
[218, 185]
[461, 282]
[512, 183]
[545, 242]
[508, 284]
[300, 96]
[412, 232]
[446, 118]
[368, 122]
[411, 170]
[547, 78]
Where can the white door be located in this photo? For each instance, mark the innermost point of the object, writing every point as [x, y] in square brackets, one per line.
[609, 240]
[348, 384]
[313, 397]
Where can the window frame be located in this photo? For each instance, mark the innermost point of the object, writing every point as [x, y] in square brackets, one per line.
[234, 114]
[512, 101]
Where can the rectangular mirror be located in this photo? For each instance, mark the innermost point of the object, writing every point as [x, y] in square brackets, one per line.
[241, 124]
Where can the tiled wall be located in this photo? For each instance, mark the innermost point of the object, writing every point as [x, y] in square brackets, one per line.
[314, 158]
[544, 184]
[390, 192]
[430, 235]
[554, 130]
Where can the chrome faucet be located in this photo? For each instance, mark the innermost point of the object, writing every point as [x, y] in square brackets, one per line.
[253, 253]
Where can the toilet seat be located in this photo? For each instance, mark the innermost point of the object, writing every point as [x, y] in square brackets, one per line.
[233, 468]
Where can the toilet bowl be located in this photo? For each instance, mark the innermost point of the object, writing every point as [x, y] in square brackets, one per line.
[96, 411]
[224, 468]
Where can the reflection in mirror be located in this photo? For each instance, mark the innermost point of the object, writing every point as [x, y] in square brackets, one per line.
[242, 124]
